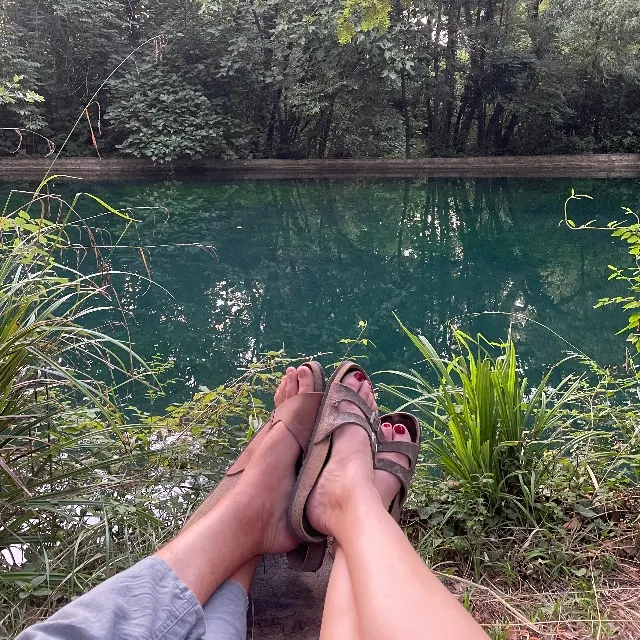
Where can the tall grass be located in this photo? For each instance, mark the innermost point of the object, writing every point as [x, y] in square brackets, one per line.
[60, 428]
[85, 489]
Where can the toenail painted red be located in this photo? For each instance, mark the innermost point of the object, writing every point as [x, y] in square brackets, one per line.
[386, 425]
[399, 429]
[359, 376]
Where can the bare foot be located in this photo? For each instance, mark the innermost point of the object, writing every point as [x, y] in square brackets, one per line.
[349, 469]
[294, 381]
[266, 485]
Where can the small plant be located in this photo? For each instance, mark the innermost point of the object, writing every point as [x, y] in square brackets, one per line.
[486, 427]
[629, 232]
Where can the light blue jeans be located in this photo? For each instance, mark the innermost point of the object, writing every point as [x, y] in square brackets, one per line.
[147, 602]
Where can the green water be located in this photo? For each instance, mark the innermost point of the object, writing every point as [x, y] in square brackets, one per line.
[297, 264]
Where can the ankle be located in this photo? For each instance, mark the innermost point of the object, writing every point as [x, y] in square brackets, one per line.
[362, 498]
[248, 521]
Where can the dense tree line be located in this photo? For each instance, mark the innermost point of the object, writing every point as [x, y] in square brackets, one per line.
[324, 78]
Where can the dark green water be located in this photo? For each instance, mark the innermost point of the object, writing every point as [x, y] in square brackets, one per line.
[299, 263]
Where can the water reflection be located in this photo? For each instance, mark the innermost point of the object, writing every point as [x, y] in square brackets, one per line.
[300, 263]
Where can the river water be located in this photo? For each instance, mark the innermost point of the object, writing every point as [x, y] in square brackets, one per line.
[242, 267]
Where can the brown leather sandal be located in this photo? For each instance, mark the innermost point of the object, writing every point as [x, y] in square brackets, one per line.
[408, 449]
[310, 555]
[299, 416]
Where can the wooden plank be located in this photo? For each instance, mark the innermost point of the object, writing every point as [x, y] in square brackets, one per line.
[596, 166]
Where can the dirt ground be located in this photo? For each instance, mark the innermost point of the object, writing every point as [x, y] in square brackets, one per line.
[286, 604]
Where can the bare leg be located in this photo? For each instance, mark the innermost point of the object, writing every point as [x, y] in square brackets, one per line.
[293, 382]
[395, 594]
[340, 618]
[247, 522]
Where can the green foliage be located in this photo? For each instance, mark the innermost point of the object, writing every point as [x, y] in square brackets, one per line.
[519, 482]
[164, 118]
[584, 504]
[266, 79]
[489, 430]
[61, 434]
[630, 234]
[371, 14]
[11, 92]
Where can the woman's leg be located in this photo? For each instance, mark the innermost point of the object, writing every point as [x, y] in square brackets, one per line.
[395, 594]
[340, 618]
[225, 612]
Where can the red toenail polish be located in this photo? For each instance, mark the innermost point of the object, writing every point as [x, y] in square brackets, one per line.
[399, 429]
[359, 376]
[386, 425]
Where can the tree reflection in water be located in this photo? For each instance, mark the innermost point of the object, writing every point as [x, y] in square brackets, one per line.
[299, 263]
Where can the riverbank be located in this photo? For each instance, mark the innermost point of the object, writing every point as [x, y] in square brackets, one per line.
[582, 166]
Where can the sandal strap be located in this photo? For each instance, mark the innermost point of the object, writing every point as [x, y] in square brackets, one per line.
[341, 393]
[408, 449]
[334, 417]
[405, 476]
[298, 414]
[402, 473]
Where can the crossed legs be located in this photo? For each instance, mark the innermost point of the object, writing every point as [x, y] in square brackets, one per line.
[379, 587]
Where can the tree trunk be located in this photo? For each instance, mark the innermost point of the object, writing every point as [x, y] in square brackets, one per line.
[406, 116]
[493, 133]
[435, 131]
[452, 47]
[480, 139]
[508, 132]
[325, 129]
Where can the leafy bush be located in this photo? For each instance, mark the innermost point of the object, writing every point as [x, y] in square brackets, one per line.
[629, 232]
[165, 118]
[530, 482]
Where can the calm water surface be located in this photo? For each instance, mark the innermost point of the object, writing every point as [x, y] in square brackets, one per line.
[297, 264]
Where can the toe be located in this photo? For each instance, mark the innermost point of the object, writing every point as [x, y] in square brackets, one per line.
[281, 391]
[305, 380]
[401, 433]
[387, 431]
[397, 433]
[354, 381]
[357, 381]
[292, 382]
[370, 398]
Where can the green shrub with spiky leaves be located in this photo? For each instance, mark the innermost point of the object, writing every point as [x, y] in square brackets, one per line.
[484, 425]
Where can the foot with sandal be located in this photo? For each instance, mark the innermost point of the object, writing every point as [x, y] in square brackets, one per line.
[323, 465]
